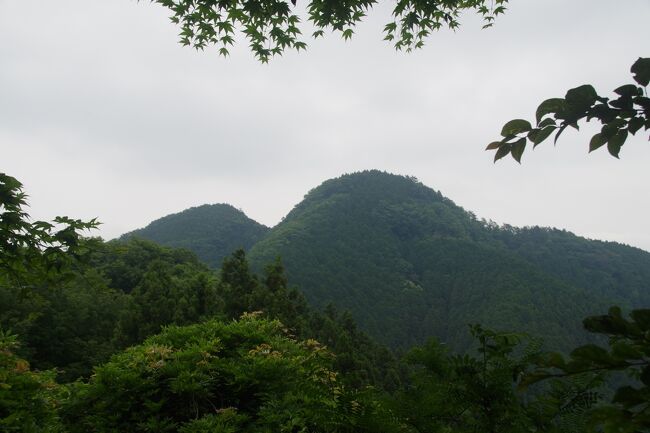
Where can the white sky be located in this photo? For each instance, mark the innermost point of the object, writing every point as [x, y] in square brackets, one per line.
[103, 114]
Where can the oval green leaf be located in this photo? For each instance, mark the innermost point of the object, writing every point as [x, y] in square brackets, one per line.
[641, 71]
[597, 141]
[518, 149]
[552, 105]
[543, 134]
[515, 127]
[503, 151]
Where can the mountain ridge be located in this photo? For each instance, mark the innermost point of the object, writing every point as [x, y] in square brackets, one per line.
[410, 263]
[211, 231]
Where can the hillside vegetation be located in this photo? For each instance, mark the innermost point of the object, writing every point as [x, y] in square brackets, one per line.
[212, 232]
[409, 263]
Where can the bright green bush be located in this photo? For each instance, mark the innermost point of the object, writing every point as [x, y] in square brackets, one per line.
[244, 376]
[27, 398]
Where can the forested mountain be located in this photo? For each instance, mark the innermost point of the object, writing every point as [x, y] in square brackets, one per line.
[211, 231]
[409, 263]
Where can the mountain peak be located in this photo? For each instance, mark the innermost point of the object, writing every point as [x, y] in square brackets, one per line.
[212, 231]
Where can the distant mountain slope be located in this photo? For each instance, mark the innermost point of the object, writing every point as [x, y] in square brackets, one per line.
[211, 231]
[616, 272]
[409, 263]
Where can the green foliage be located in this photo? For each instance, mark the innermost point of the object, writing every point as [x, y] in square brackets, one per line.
[39, 262]
[272, 26]
[121, 294]
[27, 399]
[243, 376]
[180, 294]
[620, 117]
[360, 360]
[38, 250]
[70, 327]
[628, 351]
[211, 232]
[125, 263]
[476, 393]
[469, 393]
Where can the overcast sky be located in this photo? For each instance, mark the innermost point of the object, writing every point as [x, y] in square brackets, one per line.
[103, 114]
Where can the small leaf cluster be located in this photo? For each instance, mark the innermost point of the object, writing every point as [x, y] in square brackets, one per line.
[416, 20]
[620, 117]
[628, 351]
[271, 27]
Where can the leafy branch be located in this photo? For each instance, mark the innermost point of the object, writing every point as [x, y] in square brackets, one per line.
[272, 26]
[629, 351]
[620, 117]
[28, 249]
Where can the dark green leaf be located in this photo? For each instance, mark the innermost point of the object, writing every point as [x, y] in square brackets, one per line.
[597, 141]
[614, 144]
[645, 375]
[610, 324]
[518, 149]
[552, 105]
[503, 151]
[641, 318]
[494, 145]
[532, 378]
[543, 134]
[625, 351]
[611, 129]
[581, 97]
[641, 71]
[629, 90]
[634, 124]
[554, 359]
[592, 353]
[546, 122]
[623, 103]
[643, 101]
[628, 397]
[602, 112]
[515, 127]
[559, 132]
